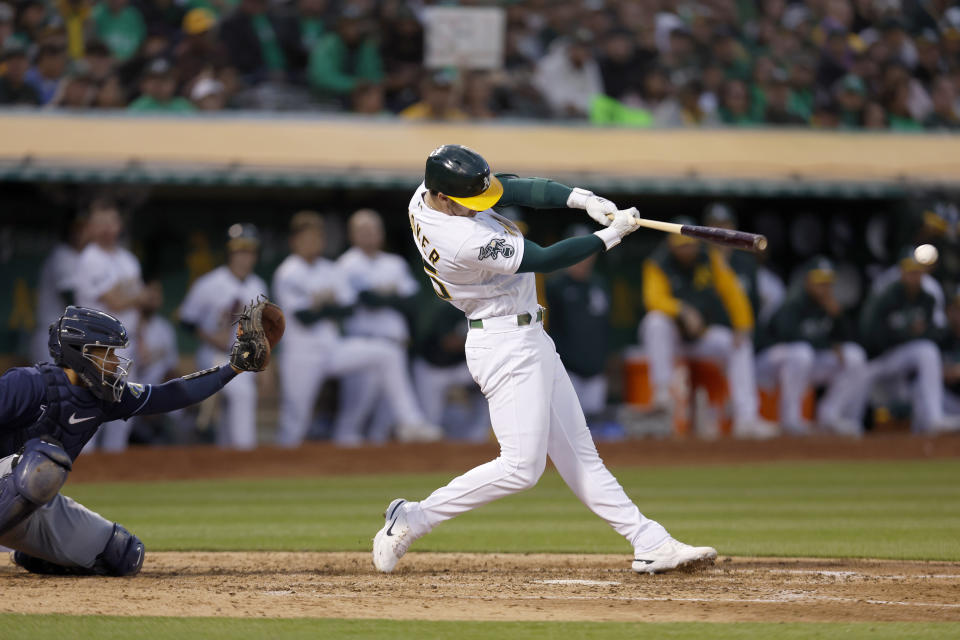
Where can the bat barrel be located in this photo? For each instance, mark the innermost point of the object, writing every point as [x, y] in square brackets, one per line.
[726, 237]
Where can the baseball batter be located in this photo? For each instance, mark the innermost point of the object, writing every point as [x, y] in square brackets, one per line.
[47, 414]
[210, 310]
[108, 277]
[480, 262]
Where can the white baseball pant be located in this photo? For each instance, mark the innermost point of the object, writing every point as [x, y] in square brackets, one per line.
[535, 413]
[362, 403]
[794, 366]
[662, 343]
[303, 368]
[922, 359]
[433, 385]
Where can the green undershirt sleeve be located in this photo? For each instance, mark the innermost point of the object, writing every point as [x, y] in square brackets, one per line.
[566, 253]
[538, 193]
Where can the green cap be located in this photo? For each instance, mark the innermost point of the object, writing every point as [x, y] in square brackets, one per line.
[820, 269]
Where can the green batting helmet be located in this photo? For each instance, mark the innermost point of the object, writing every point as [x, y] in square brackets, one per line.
[462, 175]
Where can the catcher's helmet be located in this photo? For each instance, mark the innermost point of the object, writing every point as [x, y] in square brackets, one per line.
[462, 175]
[72, 339]
[242, 235]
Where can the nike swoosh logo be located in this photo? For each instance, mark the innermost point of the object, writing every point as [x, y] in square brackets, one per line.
[391, 527]
[73, 419]
[641, 560]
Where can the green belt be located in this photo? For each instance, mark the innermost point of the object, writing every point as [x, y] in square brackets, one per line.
[522, 320]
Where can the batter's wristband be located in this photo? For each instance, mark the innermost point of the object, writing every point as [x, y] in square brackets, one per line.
[578, 198]
[610, 236]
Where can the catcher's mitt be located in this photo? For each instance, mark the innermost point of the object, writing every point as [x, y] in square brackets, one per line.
[259, 328]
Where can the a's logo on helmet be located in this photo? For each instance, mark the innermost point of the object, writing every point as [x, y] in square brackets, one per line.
[496, 247]
[486, 182]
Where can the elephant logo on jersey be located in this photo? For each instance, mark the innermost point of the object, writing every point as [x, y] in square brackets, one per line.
[494, 248]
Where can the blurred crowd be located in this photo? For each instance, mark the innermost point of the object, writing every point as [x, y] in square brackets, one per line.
[835, 362]
[851, 64]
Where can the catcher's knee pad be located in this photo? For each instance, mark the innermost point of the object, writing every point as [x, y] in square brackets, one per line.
[38, 474]
[123, 555]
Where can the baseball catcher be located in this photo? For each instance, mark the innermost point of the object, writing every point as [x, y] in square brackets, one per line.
[48, 412]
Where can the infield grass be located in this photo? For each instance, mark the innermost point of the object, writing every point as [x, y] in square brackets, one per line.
[119, 628]
[897, 510]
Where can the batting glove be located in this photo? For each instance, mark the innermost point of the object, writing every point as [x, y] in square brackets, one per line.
[600, 209]
[624, 223]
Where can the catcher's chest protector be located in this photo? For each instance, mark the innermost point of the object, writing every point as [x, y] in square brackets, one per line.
[71, 414]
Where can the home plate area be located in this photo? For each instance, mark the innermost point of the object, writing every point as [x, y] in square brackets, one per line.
[462, 586]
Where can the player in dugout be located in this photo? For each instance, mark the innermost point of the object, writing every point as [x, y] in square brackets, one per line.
[696, 306]
[49, 411]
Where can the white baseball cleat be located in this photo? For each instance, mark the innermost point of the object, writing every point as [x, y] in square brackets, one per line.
[393, 540]
[671, 555]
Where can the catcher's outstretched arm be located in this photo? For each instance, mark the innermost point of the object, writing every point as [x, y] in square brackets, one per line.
[174, 394]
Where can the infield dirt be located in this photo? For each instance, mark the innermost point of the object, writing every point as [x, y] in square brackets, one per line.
[440, 586]
[443, 586]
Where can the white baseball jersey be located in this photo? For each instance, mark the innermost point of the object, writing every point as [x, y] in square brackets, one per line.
[99, 271]
[212, 304]
[299, 285]
[56, 280]
[383, 273]
[472, 262]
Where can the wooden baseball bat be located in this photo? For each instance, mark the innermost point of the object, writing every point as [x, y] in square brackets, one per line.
[724, 237]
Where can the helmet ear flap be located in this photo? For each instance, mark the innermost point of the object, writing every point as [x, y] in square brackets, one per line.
[53, 342]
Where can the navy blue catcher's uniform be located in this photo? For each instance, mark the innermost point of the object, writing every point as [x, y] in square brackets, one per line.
[44, 423]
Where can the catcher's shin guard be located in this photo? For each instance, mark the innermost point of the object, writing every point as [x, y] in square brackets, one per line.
[39, 472]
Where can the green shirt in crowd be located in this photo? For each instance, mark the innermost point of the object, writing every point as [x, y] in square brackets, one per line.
[335, 69]
[122, 32]
[269, 45]
[146, 104]
[899, 123]
[889, 318]
[310, 31]
[801, 103]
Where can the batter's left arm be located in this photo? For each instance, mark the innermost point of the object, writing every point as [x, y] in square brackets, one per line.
[542, 193]
[174, 394]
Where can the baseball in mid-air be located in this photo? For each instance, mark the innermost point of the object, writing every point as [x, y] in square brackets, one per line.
[926, 254]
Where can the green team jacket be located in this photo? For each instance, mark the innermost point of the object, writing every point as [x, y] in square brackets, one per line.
[709, 285]
[801, 319]
[887, 318]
